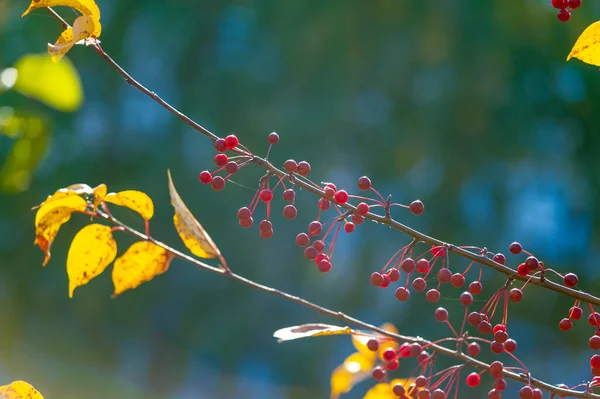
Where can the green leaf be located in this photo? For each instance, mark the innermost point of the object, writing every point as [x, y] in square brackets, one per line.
[55, 84]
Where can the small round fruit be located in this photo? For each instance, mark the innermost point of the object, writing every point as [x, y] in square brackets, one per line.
[205, 177]
[273, 138]
[416, 207]
[364, 183]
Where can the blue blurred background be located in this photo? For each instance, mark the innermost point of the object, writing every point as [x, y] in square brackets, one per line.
[469, 106]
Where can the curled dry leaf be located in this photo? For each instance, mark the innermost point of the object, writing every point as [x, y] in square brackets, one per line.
[587, 46]
[310, 330]
[91, 251]
[19, 390]
[52, 214]
[140, 263]
[193, 235]
[83, 28]
[135, 200]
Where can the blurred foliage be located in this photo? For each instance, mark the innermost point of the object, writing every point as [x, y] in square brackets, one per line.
[468, 106]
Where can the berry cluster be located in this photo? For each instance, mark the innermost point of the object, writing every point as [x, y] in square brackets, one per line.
[564, 8]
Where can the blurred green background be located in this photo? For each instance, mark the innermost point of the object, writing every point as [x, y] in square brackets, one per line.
[469, 106]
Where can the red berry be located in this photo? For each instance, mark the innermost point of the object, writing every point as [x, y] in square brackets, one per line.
[499, 327]
[303, 168]
[266, 233]
[246, 223]
[416, 207]
[408, 265]
[394, 274]
[473, 380]
[273, 138]
[537, 393]
[319, 245]
[484, 327]
[329, 192]
[332, 187]
[321, 257]
[378, 373]
[349, 227]
[497, 347]
[596, 371]
[560, 4]
[574, 4]
[386, 281]
[266, 195]
[515, 295]
[218, 183]
[438, 394]
[315, 227]
[473, 349]
[432, 295]
[290, 166]
[500, 336]
[570, 279]
[474, 318]
[494, 394]
[522, 270]
[594, 342]
[324, 204]
[515, 248]
[265, 225]
[595, 361]
[399, 390]
[532, 263]
[364, 183]
[563, 15]
[444, 275]
[244, 213]
[510, 345]
[565, 324]
[475, 288]
[357, 219]
[496, 369]
[220, 145]
[438, 251]
[362, 208]
[441, 315]
[324, 265]
[575, 313]
[500, 258]
[526, 393]
[231, 141]
[341, 197]
[402, 294]
[419, 284]
[232, 167]
[392, 365]
[376, 279]
[310, 253]
[457, 280]
[372, 344]
[421, 381]
[205, 177]
[288, 195]
[221, 159]
[422, 265]
[500, 384]
[290, 212]
[466, 298]
[302, 240]
[388, 354]
[594, 319]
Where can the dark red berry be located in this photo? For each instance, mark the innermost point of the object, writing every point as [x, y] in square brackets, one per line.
[475, 288]
[386, 281]
[319, 245]
[321, 257]
[438, 394]
[388, 354]
[497, 347]
[362, 208]
[422, 265]
[473, 380]
[537, 393]
[484, 327]
[376, 279]
[266, 233]
[563, 15]
[408, 265]
[303, 168]
[565, 324]
[246, 223]
[416, 207]
[432, 295]
[473, 349]
[500, 258]
[500, 384]
[290, 212]
[315, 227]
[444, 275]
[595, 361]
[357, 219]
[494, 394]
[526, 392]
[457, 280]
[438, 251]
[221, 159]
[372, 344]
[510, 345]
[474, 318]
[441, 315]
[399, 390]
[394, 274]
[574, 4]
[265, 225]
[575, 313]
[570, 279]
[522, 270]
[466, 299]
[220, 145]
[324, 266]
[288, 195]
[402, 294]
[594, 319]
[217, 183]
[349, 227]
[515, 295]
[341, 197]
[392, 365]
[324, 204]
[290, 166]
[273, 138]
[244, 213]
[232, 167]
[515, 248]
[364, 183]
[419, 284]
[266, 195]
[560, 4]
[500, 336]
[310, 253]
[594, 342]
[329, 192]
[378, 373]
[231, 141]
[302, 240]
[205, 177]
[532, 263]
[421, 381]
[496, 369]
[499, 327]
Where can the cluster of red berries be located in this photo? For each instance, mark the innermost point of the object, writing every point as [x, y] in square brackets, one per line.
[223, 162]
[564, 8]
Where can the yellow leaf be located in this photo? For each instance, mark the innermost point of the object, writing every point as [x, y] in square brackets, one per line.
[355, 369]
[83, 28]
[310, 330]
[193, 235]
[19, 390]
[56, 85]
[91, 251]
[86, 7]
[385, 391]
[142, 261]
[587, 46]
[134, 200]
[52, 214]
[99, 193]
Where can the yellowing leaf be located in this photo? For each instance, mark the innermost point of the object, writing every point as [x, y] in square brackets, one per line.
[355, 369]
[19, 390]
[142, 261]
[380, 391]
[56, 85]
[191, 232]
[84, 27]
[587, 46]
[91, 251]
[52, 214]
[134, 200]
[310, 330]
[99, 193]
[86, 7]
